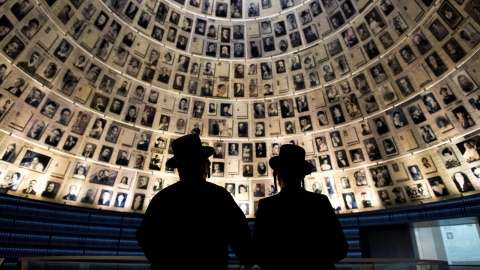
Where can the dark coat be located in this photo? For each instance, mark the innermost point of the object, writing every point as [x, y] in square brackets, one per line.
[297, 229]
[197, 219]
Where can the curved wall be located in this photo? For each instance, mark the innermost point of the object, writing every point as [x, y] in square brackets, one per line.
[383, 95]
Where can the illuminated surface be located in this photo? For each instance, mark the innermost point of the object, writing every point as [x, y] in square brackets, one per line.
[365, 92]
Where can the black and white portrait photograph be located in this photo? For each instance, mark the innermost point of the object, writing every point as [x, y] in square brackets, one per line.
[375, 21]
[348, 9]
[63, 50]
[325, 162]
[407, 54]
[389, 147]
[349, 37]
[398, 23]
[421, 43]
[89, 10]
[443, 123]
[463, 117]
[431, 103]
[341, 157]
[438, 30]
[35, 161]
[99, 102]
[51, 190]
[105, 154]
[427, 134]
[31, 63]
[93, 73]
[336, 139]
[289, 127]
[436, 64]
[253, 9]
[454, 50]
[311, 33]
[337, 20]
[363, 32]
[386, 6]
[221, 9]
[305, 123]
[416, 114]
[381, 176]
[418, 191]
[103, 176]
[405, 86]
[469, 35]
[372, 149]
[386, 40]
[378, 73]
[80, 170]
[123, 158]
[450, 15]
[328, 72]
[105, 197]
[218, 169]
[361, 84]
[71, 192]
[53, 136]
[398, 118]
[101, 20]
[438, 186]
[6, 26]
[299, 82]
[465, 82]
[381, 125]
[337, 114]
[350, 202]
[259, 129]
[14, 47]
[387, 93]
[356, 155]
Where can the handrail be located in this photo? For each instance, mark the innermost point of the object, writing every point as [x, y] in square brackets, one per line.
[143, 258]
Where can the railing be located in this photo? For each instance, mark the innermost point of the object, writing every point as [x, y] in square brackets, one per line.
[141, 263]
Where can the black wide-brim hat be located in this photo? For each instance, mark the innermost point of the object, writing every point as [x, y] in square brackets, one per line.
[291, 160]
[188, 150]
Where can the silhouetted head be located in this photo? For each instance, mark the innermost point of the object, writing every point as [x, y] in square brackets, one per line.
[290, 166]
[190, 157]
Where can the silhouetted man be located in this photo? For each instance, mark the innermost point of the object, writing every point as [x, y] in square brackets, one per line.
[180, 219]
[282, 235]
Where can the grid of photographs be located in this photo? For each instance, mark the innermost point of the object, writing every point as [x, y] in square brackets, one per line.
[117, 90]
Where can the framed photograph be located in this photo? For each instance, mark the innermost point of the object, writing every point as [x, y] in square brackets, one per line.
[105, 197]
[389, 146]
[71, 192]
[469, 149]
[449, 158]
[450, 15]
[427, 165]
[325, 162]
[375, 21]
[218, 169]
[103, 176]
[51, 190]
[418, 191]
[463, 117]
[88, 195]
[438, 30]
[469, 35]
[438, 187]
[381, 176]
[35, 161]
[465, 82]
